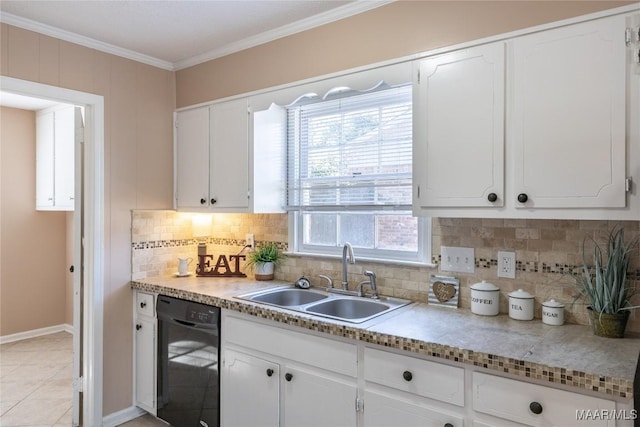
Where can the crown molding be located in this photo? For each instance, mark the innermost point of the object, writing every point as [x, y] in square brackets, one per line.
[336, 14]
[68, 36]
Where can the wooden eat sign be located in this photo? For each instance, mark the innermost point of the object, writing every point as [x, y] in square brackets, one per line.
[206, 268]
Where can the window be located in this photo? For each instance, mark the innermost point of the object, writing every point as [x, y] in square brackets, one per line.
[349, 163]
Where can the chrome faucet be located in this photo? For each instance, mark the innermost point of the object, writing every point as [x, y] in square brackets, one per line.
[347, 254]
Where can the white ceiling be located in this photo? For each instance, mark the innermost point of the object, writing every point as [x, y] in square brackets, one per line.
[170, 34]
[175, 34]
[22, 102]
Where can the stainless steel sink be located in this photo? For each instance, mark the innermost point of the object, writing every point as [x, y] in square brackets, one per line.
[288, 297]
[347, 308]
[317, 302]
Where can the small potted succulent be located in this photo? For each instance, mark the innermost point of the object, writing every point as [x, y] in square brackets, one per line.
[264, 259]
[604, 283]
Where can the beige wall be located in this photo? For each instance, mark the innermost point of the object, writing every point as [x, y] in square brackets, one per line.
[396, 30]
[33, 276]
[139, 101]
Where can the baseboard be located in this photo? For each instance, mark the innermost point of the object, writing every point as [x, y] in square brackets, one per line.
[65, 327]
[123, 416]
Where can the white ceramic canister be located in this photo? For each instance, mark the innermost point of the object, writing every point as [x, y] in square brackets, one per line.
[553, 312]
[521, 305]
[485, 298]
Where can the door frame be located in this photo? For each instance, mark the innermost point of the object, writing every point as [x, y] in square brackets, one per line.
[93, 239]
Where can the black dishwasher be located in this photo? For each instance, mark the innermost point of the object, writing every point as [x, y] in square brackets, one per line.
[188, 352]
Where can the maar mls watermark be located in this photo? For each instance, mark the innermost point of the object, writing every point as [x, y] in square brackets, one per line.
[606, 414]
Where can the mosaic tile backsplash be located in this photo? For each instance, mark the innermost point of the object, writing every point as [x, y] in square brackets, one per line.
[546, 250]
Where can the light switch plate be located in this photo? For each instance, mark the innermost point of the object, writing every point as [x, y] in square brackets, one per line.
[457, 259]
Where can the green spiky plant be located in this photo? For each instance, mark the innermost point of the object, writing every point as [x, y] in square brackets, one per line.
[605, 285]
[263, 254]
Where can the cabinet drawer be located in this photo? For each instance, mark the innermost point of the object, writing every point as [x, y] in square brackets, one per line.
[332, 355]
[145, 304]
[413, 375]
[385, 410]
[518, 401]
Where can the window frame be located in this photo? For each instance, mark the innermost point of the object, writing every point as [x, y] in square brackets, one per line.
[422, 255]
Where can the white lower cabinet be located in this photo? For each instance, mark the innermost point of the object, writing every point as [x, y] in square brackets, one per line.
[317, 398]
[273, 376]
[385, 409]
[407, 391]
[145, 351]
[259, 392]
[251, 390]
[536, 405]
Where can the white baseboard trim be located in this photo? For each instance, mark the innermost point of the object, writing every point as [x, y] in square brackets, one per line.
[123, 416]
[65, 327]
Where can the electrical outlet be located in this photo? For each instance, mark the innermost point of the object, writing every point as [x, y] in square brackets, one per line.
[507, 265]
[457, 259]
[250, 241]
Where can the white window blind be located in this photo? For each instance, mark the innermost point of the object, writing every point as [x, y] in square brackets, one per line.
[351, 153]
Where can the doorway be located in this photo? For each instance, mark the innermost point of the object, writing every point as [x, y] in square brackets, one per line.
[88, 243]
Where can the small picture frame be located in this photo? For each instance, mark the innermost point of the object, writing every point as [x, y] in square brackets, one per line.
[444, 291]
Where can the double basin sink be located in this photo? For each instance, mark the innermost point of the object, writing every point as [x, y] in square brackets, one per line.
[316, 302]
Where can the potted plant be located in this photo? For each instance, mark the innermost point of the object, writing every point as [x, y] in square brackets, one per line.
[264, 259]
[605, 286]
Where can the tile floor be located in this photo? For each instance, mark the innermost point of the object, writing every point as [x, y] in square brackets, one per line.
[145, 421]
[35, 384]
[35, 381]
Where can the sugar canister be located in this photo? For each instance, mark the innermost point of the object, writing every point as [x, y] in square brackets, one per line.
[485, 298]
[521, 305]
[553, 312]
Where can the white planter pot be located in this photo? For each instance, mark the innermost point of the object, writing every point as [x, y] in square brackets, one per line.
[264, 271]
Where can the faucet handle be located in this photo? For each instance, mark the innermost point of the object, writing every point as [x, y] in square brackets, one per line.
[372, 282]
[328, 279]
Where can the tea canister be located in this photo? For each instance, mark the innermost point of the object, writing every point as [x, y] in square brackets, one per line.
[485, 298]
[521, 305]
[553, 313]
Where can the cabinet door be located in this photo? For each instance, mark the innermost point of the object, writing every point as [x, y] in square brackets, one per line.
[381, 410]
[250, 396]
[568, 123]
[229, 161]
[305, 388]
[459, 129]
[192, 158]
[145, 363]
[44, 160]
[64, 137]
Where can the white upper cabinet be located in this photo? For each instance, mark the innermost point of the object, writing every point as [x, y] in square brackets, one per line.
[219, 167]
[44, 160]
[229, 155]
[212, 158]
[549, 130]
[192, 158]
[56, 131]
[459, 128]
[567, 129]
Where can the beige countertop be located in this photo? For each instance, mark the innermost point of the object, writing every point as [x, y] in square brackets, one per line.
[568, 355]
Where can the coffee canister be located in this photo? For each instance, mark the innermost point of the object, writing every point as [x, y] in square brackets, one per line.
[553, 312]
[485, 298]
[521, 305]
